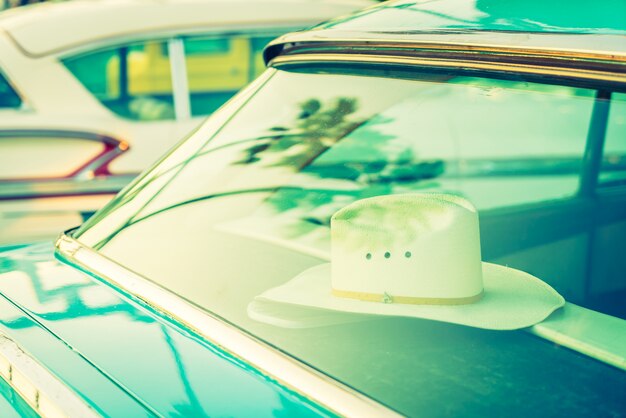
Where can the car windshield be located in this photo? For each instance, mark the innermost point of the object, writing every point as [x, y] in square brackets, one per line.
[243, 206]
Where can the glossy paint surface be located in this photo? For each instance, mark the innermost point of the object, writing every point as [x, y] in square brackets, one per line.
[83, 330]
[543, 16]
[11, 404]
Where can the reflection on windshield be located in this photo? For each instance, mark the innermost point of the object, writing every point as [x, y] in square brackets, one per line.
[245, 206]
[333, 154]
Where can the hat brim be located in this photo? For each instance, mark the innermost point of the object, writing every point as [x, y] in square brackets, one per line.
[512, 299]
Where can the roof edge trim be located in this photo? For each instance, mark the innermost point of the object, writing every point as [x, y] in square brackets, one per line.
[556, 46]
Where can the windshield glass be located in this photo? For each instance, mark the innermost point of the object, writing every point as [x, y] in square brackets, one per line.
[244, 205]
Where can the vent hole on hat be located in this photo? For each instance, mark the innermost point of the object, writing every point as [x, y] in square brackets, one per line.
[387, 254]
[408, 254]
[368, 256]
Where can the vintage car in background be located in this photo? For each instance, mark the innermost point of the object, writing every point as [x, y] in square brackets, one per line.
[51, 177]
[150, 308]
[138, 72]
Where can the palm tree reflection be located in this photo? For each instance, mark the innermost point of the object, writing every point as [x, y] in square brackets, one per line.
[326, 141]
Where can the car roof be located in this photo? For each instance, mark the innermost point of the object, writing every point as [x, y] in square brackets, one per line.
[583, 40]
[543, 16]
[47, 28]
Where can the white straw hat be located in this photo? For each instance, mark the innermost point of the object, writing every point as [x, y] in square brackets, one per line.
[411, 255]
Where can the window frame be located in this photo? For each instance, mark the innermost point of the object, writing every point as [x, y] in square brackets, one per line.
[177, 62]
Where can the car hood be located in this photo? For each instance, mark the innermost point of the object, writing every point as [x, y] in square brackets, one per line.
[120, 357]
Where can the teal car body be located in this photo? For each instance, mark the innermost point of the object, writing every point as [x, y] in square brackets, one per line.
[119, 356]
[124, 346]
[11, 404]
[534, 16]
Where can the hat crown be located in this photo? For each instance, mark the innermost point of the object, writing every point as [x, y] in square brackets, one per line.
[421, 248]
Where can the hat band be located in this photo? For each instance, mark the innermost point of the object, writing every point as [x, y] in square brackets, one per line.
[409, 300]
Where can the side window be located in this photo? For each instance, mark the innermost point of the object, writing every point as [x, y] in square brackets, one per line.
[134, 80]
[489, 140]
[502, 144]
[217, 67]
[513, 148]
[8, 96]
[613, 169]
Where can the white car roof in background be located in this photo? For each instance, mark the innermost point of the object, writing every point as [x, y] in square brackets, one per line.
[48, 28]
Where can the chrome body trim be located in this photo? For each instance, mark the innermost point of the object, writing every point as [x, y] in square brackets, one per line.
[583, 47]
[286, 370]
[468, 64]
[580, 56]
[41, 390]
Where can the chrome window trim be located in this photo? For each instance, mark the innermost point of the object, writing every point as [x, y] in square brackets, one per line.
[582, 47]
[279, 366]
[514, 68]
[39, 388]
